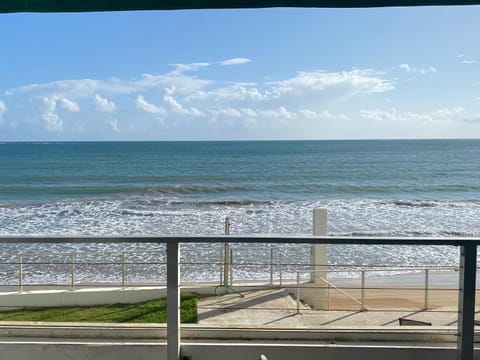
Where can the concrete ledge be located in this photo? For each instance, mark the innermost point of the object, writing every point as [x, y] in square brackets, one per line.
[413, 334]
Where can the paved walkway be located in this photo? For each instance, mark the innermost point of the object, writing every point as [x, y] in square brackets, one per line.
[276, 308]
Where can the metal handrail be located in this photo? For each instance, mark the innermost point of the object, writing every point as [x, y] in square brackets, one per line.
[362, 305]
[467, 269]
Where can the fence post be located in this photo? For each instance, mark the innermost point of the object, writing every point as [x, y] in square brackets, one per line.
[271, 265]
[466, 302]
[298, 292]
[226, 256]
[20, 272]
[72, 270]
[280, 266]
[425, 304]
[173, 302]
[363, 307]
[124, 268]
[221, 266]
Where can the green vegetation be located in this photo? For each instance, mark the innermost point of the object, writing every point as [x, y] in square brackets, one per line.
[154, 311]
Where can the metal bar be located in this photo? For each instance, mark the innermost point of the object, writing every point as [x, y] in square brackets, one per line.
[425, 303]
[466, 302]
[124, 268]
[280, 266]
[231, 267]
[271, 265]
[72, 270]
[341, 291]
[221, 267]
[362, 305]
[226, 256]
[20, 272]
[173, 302]
[298, 292]
[268, 239]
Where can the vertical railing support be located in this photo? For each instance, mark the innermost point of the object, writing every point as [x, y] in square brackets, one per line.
[280, 269]
[271, 265]
[173, 301]
[425, 303]
[298, 292]
[221, 266]
[72, 271]
[466, 302]
[362, 306]
[231, 267]
[226, 256]
[124, 268]
[20, 272]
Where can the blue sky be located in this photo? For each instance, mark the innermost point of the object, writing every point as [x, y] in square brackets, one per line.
[241, 74]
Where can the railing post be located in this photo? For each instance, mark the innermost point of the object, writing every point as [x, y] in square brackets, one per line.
[173, 301]
[124, 268]
[20, 272]
[466, 302]
[271, 265]
[298, 292]
[226, 256]
[425, 304]
[72, 270]
[280, 268]
[362, 306]
[231, 267]
[221, 266]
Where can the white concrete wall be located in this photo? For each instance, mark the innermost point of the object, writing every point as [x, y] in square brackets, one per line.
[102, 296]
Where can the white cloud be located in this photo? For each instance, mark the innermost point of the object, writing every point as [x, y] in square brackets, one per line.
[195, 112]
[3, 110]
[249, 112]
[113, 124]
[405, 67]
[235, 61]
[443, 114]
[53, 122]
[88, 88]
[321, 115]
[228, 112]
[232, 93]
[175, 105]
[176, 98]
[354, 82]
[67, 104]
[181, 68]
[469, 61]
[103, 105]
[422, 71]
[142, 104]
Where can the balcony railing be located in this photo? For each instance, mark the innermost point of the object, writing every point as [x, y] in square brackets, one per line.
[466, 268]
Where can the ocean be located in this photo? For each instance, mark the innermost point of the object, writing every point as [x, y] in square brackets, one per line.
[369, 187]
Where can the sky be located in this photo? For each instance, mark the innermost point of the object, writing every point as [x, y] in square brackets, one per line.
[255, 74]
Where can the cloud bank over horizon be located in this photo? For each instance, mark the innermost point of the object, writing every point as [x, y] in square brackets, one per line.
[183, 105]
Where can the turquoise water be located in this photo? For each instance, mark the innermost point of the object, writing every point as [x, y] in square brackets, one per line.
[241, 171]
[391, 187]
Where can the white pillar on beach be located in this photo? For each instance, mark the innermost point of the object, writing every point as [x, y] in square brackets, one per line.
[315, 293]
[319, 251]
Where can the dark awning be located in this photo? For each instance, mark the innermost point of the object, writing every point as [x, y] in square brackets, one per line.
[119, 5]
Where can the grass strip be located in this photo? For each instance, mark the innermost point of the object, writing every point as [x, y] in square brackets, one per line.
[154, 311]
